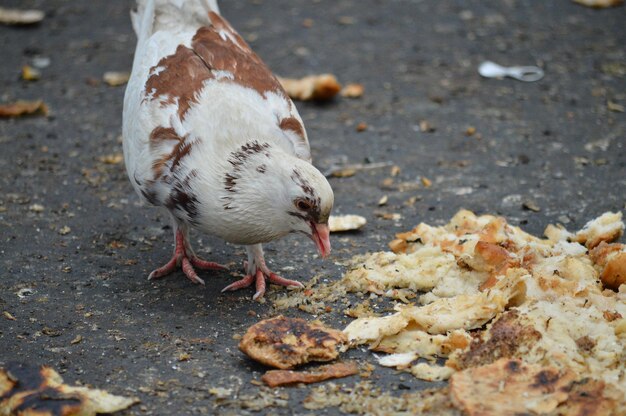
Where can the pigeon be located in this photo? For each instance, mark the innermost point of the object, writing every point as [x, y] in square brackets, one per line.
[211, 136]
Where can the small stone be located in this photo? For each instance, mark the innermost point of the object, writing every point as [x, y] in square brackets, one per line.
[220, 392]
[51, 332]
[36, 208]
[116, 78]
[112, 159]
[387, 183]
[393, 216]
[426, 127]
[564, 219]
[30, 74]
[531, 206]
[20, 17]
[8, 316]
[466, 15]
[352, 91]
[25, 292]
[600, 4]
[614, 69]
[346, 20]
[344, 173]
[65, 230]
[41, 62]
[612, 106]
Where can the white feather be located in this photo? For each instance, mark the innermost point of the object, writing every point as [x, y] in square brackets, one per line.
[154, 15]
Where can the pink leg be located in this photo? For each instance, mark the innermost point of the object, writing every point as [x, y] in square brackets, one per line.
[187, 260]
[206, 265]
[260, 285]
[258, 272]
[168, 268]
[190, 272]
[277, 280]
[239, 284]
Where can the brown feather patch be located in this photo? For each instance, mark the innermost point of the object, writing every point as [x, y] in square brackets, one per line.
[293, 124]
[181, 149]
[235, 57]
[162, 134]
[180, 77]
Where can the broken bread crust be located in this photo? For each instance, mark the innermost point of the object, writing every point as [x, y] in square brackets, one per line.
[313, 87]
[445, 314]
[514, 387]
[275, 378]
[423, 344]
[29, 390]
[610, 261]
[506, 337]
[501, 293]
[469, 311]
[509, 387]
[608, 227]
[284, 343]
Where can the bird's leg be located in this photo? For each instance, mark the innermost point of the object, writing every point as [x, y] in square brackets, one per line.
[197, 261]
[257, 271]
[185, 257]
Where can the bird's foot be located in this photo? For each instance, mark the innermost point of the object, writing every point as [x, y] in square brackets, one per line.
[184, 258]
[260, 276]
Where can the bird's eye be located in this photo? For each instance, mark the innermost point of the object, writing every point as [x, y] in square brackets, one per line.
[303, 205]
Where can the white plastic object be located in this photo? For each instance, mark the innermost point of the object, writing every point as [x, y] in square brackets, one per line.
[490, 69]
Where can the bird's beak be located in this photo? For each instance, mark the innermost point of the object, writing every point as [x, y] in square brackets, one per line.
[321, 237]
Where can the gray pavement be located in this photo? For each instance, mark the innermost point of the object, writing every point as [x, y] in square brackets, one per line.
[544, 152]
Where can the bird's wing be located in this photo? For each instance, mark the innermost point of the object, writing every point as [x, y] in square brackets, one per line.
[218, 53]
[227, 54]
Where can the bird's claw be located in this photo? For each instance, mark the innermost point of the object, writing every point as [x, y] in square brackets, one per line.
[190, 272]
[239, 284]
[260, 277]
[187, 262]
[206, 265]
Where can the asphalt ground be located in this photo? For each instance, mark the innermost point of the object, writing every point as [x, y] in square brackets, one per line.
[74, 233]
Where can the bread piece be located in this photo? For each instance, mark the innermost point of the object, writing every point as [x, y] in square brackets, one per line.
[610, 259]
[29, 390]
[284, 343]
[509, 387]
[274, 378]
[607, 227]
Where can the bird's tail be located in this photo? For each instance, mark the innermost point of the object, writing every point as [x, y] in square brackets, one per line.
[153, 15]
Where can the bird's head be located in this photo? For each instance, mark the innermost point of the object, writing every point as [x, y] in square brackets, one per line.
[269, 193]
[308, 201]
